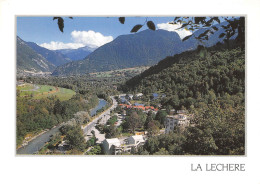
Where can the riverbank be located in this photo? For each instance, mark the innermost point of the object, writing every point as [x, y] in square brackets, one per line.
[27, 141]
[36, 142]
[96, 117]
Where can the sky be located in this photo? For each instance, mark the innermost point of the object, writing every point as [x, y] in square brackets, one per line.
[85, 31]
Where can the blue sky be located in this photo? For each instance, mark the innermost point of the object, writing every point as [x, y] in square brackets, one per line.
[83, 31]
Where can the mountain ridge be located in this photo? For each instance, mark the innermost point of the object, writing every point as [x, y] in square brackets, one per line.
[55, 58]
[76, 54]
[141, 49]
[28, 60]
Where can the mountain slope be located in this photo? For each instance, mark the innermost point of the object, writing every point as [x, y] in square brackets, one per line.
[54, 57]
[76, 54]
[145, 48]
[140, 49]
[190, 77]
[30, 61]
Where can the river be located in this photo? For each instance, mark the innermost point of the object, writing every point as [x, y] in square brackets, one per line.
[102, 103]
[37, 143]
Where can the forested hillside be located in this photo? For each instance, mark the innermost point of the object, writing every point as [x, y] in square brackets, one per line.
[35, 115]
[195, 76]
[210, 83]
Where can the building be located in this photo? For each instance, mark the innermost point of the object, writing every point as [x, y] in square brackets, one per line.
[136, 140]
[130, 96]
[139, 94]
[137, 104]
[171, 121]
[110, 146]
[115, 147]
[155, 96]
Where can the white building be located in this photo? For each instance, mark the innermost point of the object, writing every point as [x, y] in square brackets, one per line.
[130, 96]
[110, 146]
[175, 120]
[115, 147]
[136, 140]
[139, 94]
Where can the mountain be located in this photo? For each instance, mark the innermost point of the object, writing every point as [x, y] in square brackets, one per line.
[141, 49]
[30, 61]
[76, 54]
[144, 48]
[194, 76]
[54, 57]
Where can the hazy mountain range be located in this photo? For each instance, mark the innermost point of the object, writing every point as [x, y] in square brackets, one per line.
[76, 54]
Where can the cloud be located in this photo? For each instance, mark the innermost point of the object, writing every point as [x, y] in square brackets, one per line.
[172, 27]
[89, 38]
[60, 45]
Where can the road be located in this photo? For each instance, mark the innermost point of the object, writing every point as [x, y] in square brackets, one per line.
[103, 117]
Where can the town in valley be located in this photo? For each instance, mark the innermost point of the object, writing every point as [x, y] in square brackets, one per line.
[167, 86]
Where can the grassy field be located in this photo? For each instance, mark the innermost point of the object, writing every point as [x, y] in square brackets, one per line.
[43, 91]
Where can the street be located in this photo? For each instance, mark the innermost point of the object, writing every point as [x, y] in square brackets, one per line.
[102, 118]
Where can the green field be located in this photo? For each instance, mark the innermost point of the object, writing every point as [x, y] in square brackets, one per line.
[43, 91]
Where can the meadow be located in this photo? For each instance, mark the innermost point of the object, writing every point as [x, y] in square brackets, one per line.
[43, 91]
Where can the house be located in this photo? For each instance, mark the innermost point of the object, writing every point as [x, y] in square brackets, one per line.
[115, 147]
[137, 104]
[136, 140]
[129, 96]
[110, 146]
[122, 99]
[155, 96]
[139, 94]
[171, 121]
[172, 111]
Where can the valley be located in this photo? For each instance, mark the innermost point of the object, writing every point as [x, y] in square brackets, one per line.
[147, 93]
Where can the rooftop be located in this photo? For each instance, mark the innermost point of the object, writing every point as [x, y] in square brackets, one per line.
[114, 141]
[137, 137]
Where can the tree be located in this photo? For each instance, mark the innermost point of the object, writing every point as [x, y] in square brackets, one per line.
[152, 145]
[74, 137]
[148, 119]
[57, 107]
[133, 121]
[200, 142]
[153, 129]
[162, 151]
[161, 116]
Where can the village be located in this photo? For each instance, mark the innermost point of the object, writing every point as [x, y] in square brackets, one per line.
[129, 143]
